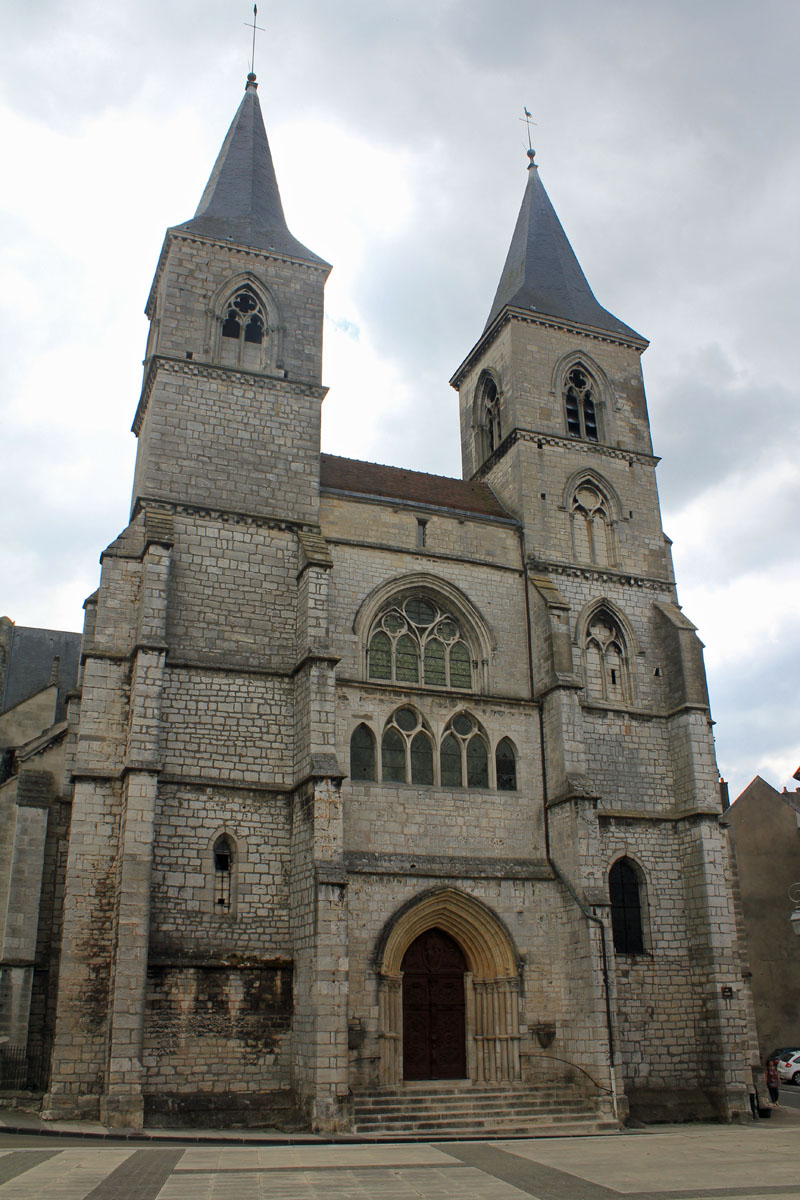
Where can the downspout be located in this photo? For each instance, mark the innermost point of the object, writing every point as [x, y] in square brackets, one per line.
[550, 860]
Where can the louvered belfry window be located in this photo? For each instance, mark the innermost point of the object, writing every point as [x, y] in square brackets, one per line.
[579, 403]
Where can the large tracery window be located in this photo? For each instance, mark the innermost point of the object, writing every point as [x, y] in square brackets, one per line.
[591, 527]
[415, 641]
[244, 329]
[606, 660]
[406, 749]
[579, 403]
[463, 756]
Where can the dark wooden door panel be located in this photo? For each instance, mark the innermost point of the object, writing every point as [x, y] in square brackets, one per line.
[434, 1026]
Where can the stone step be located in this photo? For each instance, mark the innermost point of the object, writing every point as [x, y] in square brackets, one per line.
[477, 1110]
[465, 1133]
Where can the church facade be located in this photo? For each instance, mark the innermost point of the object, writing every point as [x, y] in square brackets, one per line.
[389, 792]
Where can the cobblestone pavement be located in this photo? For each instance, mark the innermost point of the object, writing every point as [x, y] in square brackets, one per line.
[673, 1163]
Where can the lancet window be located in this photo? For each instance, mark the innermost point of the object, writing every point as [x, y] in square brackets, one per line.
[491, 416]
[626, 908]
[506, 766]
[362, 754]
[606, 660]
[580, 404]
[417, 642]
[223, 875]
[591, 526]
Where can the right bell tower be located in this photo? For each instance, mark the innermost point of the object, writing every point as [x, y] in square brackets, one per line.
[554, 418]
[552, 397]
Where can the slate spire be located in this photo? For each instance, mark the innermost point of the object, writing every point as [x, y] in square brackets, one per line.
[241, 202]
[541, 271]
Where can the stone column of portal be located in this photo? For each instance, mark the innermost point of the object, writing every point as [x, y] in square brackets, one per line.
[574, 835]
[122, 1103]
[319, 912]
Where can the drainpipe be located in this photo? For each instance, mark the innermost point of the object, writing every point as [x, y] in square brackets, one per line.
[550, 861]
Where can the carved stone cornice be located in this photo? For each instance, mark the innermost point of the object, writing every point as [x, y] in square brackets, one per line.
[205, 370]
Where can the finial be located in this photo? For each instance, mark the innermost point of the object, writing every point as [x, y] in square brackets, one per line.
[532, 159]
[528, 120]
[251, 78]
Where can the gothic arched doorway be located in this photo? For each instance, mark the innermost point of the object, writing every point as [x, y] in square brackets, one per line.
[434, 1024]
[488, 978]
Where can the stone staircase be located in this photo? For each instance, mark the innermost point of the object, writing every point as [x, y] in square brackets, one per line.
[461, 1109]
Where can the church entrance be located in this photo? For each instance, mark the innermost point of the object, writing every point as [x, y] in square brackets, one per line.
[434, 1027]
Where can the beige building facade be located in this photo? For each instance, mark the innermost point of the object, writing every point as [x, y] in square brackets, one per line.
[390, 793]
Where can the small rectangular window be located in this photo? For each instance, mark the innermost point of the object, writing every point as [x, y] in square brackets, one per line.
[422, 531]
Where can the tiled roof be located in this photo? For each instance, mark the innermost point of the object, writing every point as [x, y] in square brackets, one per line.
[241, 202]
[542, 273]
[395, 483]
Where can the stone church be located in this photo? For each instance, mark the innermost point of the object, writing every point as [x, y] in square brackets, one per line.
[388, 800]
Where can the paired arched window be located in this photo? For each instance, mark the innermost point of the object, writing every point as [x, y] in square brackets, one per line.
[243, 330]
[416, 641]
[580, 399]
[606, 660]
[591, 526]
[409, 753]
[223, 875]
[627, 925]
[464, 755]
[406, 749]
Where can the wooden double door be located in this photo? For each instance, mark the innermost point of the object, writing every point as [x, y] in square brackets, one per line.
[434, 1025]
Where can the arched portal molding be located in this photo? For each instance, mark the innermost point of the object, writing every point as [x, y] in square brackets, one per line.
[487, 945]
[492, 983]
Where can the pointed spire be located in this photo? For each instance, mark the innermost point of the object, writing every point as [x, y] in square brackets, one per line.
[241, 202]
[541, 271]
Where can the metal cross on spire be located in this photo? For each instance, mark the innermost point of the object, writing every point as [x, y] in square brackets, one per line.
[254, 27]
[528, 120]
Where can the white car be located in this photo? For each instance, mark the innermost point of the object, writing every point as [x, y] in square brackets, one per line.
[789, 1068]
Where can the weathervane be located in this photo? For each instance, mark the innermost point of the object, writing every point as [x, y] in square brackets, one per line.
[528, 120]
[254, 27]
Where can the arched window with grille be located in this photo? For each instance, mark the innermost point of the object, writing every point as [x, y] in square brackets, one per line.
[505, 760]
[625, 893]
[464, 754]
[223, 856]
[491, 416]
[362, 754]
[406, 749]
[607, 676]
[591, 526]
[416, 641]
[244, 329]
[580, 404]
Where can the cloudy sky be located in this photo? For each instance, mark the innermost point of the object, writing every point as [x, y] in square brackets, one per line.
[667, 135]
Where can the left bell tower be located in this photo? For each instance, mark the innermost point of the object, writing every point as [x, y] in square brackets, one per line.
[203, 732]
[230, 406]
